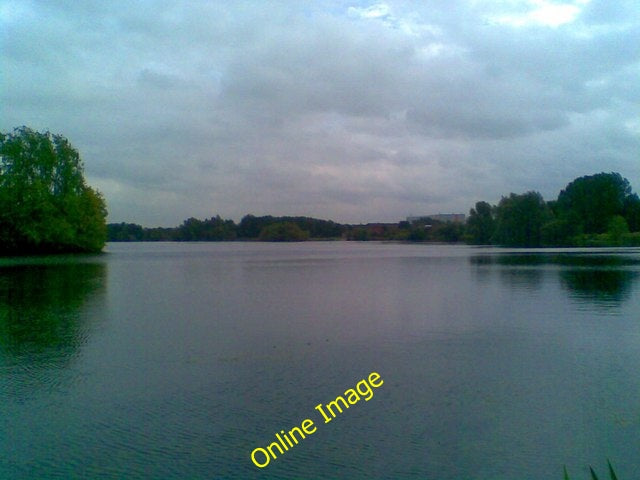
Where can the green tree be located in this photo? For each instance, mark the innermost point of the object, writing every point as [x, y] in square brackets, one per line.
[520, 219]
[250, 225]
[418, 233]
[358, 233]
[558, 232]
[617, 229]
[190, 230]
[45, 204]
[631, 212]
[481, 224]
[283, 232]
[124, 232]
[589, 202]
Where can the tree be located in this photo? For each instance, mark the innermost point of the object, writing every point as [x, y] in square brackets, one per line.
[124, 232]
[617, 229]
[520, 219]
[447, 232]
[250, 225]
[631, 212]
[213, 229]
[591, 201]
[481, 223]
[45, 204]
[283, 232]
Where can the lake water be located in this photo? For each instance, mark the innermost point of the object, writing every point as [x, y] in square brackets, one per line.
[176, 361]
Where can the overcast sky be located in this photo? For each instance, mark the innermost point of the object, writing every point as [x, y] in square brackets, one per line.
[350, 111]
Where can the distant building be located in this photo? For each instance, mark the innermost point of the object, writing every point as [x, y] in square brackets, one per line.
[441, 217]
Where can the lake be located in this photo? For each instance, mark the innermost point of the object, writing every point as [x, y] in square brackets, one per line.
[177, 361]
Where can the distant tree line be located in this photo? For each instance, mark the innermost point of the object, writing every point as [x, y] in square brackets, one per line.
[594, 210]
[281, 229]
[265, 228]
[423, 230]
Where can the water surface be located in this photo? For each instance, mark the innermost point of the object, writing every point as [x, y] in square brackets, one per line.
[174, 360]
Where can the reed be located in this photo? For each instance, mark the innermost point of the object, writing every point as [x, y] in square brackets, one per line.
[612, 473]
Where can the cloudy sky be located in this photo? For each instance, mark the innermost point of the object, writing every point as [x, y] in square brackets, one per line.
[351, 111]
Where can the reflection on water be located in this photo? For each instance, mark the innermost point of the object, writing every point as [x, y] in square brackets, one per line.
[564, 259]
[604, 280]
[605, 287]
[39, 308]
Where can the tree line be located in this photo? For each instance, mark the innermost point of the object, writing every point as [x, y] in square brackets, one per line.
[287, 228]
[593, 210]
[251, 227]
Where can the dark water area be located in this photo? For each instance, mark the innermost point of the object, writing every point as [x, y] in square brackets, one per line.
[176, 361]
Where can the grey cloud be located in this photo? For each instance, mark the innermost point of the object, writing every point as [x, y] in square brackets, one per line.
[197, 108]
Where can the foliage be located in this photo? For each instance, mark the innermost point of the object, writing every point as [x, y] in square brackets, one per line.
[418, 233]
[283, 232]
[45, 204]
[591, 201]
[593, 210]
[358, 233]
[250, 226]
[317, 228]
[375, 231]
[520, 219]
[631, 212]
[558, 232]
[213, 229]
[218, 229]
[125, 232]
[429, 230]
[131, 232]
[607, 240]
[449, 232]
[423, 230]
[481, 223]
[617, 228]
